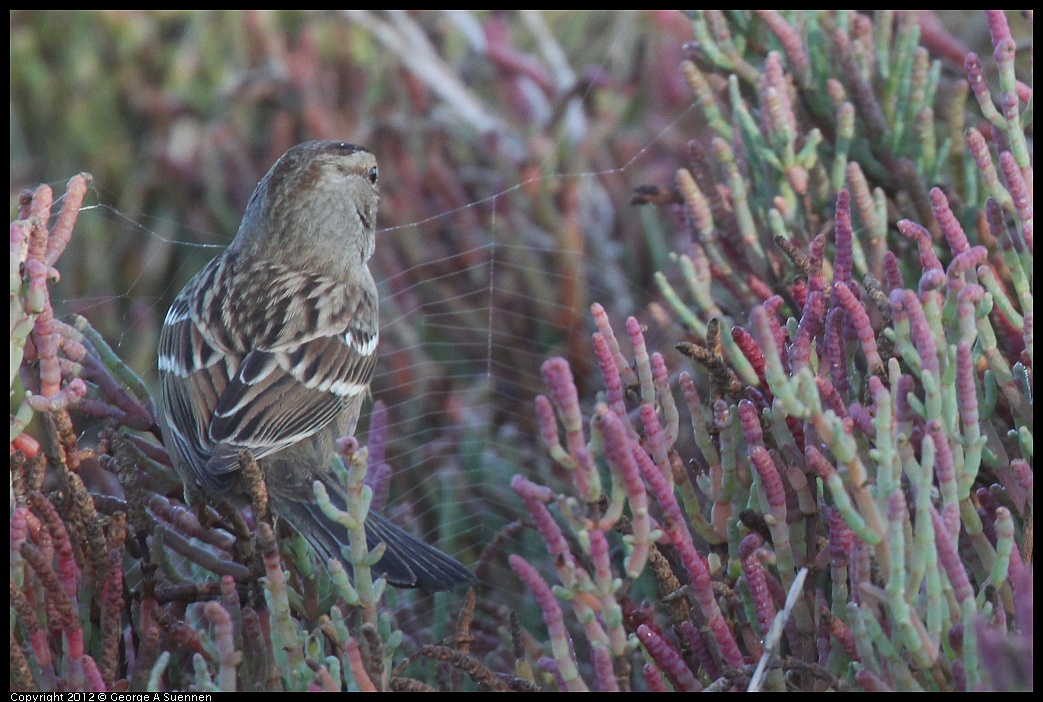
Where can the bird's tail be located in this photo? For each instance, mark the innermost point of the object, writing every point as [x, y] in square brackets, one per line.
[407, 561]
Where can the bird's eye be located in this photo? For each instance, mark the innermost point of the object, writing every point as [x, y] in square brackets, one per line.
[373, 175]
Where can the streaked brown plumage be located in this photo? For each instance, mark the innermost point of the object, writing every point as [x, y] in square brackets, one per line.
[271, 348]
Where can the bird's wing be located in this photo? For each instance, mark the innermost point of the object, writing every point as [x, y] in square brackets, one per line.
[264, 375]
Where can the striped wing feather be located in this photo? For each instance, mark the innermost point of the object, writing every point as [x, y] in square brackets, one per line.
[265, 382]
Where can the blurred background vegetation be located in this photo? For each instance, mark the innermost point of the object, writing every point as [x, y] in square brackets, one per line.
[492, 251]
[509, 143]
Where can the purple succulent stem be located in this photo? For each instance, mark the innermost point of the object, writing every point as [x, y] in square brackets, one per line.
[830, 396]
[95, 683]
[756, 581]
[638, 499]
[66, 569]
[1003, 528]
[844, 240]
[948, 223]
[599, 557]
[774, 76]
[1019, 190]
[653, 678]
[61, 232]
[987, 510]
[1012, 115]
[624, 455]
[856, 518]
[70, 395]
[772, 305]
[759, 399]
[626, 373]
[920, 330]
[749, 348]
[966, 396]
[776, 373]
[836, 359]
[862, 418]
[1021, 580]
[775, 495]
[44, 335]
[127, 407]
[861, 91]
[224, 644]
[799, 290]
[549, 425]
[668, 659]
[859, 319]
[641, 359]
[842, 633]
[700, 649]
[792, 45]
[1023, 474]
[676, 531]
[979, 150]
[604, 675]
[18, 535]
[530, 491]
[561, 644]
[749, 544]
[945, 470]
[980, 87]
[558, 376]
[867, 210]
[654, 441]
[968, 259]
[773, 117]
[534, 496]
[771, 482]
[750, 422]
[771, 309]
[995, 218]
[808, 329]
[950, 560]
[39, 212]
[840, 540]
[776, 588]
[697, 208]
[859, 570]
[922, 237]
[661, 381]
[966, 312]
[999, 30]
[1016, 481]
[892, 272]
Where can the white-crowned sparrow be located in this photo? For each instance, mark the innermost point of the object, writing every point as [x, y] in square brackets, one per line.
[271, 348]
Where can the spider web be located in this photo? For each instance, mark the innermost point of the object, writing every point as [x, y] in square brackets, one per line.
[474, 298]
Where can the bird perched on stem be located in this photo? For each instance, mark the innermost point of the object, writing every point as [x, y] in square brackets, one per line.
[271, 347]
